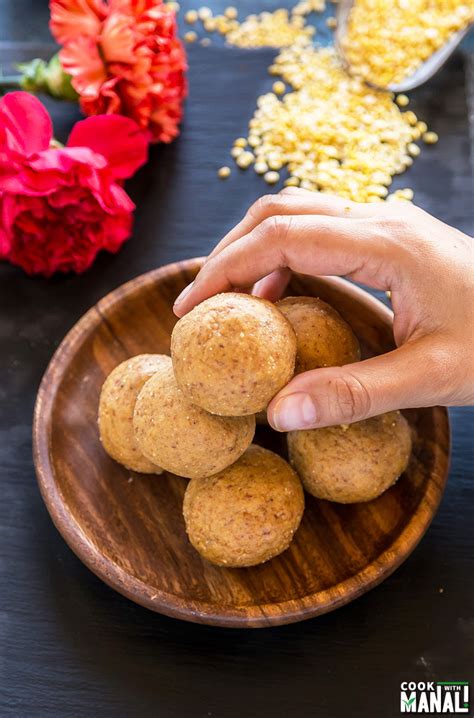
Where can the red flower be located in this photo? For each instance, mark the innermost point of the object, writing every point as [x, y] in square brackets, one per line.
[60, 207]
[124, 57]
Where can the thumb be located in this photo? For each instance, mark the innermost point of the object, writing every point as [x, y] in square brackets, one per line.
[412, 376]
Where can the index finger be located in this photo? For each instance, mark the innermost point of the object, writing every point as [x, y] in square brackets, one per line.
[293, 200]
[318, 245]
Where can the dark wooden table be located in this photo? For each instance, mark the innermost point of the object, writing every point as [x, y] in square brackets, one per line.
[69, 645]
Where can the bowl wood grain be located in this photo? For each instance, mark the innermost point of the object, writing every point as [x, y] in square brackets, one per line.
[128, 528]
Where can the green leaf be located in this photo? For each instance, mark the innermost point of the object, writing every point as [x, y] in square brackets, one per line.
[49, 77]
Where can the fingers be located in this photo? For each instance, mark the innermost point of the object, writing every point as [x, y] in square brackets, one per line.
[294, 200]
[313, 244]
[411, 376]
[272, 286]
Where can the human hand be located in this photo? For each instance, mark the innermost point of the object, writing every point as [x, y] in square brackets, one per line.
[426, 265]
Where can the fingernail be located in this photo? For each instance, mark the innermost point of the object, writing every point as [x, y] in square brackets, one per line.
[295, 411]
[257, 287]
[181, 296]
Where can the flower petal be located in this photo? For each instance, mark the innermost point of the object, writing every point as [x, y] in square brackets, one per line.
[121, 199]
[51, 169]
[71, 18]
[25, 125]
[131, 64]
[117, 138]
[81, 59]
[117, 39]
[65, 159]
[5, 239]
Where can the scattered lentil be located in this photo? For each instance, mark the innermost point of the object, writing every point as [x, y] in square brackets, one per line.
[306, 6]
[387, 41]
[223, 172]
[411, 117]
[332, 132]
[278, 87]
[406, 194]
[245, 159]
[190, 36]
[210, 24]
[271, 177]
[276, 29]
[191, 17]
[204, 13]
[402, 100]
[254, 141]
[260, 167]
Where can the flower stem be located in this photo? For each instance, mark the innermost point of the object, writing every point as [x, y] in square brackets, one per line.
[47, 76]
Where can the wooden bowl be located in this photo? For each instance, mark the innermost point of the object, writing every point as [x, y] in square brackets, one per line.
[128, 528]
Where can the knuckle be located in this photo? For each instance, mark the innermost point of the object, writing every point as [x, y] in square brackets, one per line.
[266, 205]
[277, 225]
[390, 227]
[403, 238]
[350, 398]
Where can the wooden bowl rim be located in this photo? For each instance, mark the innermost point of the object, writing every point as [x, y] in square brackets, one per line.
[246, 616]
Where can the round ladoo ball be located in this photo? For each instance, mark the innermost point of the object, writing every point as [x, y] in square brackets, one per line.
[183, 438]
[233, 353]
[247, 513]
[353, 462]
[117, 402]
[323, 337]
